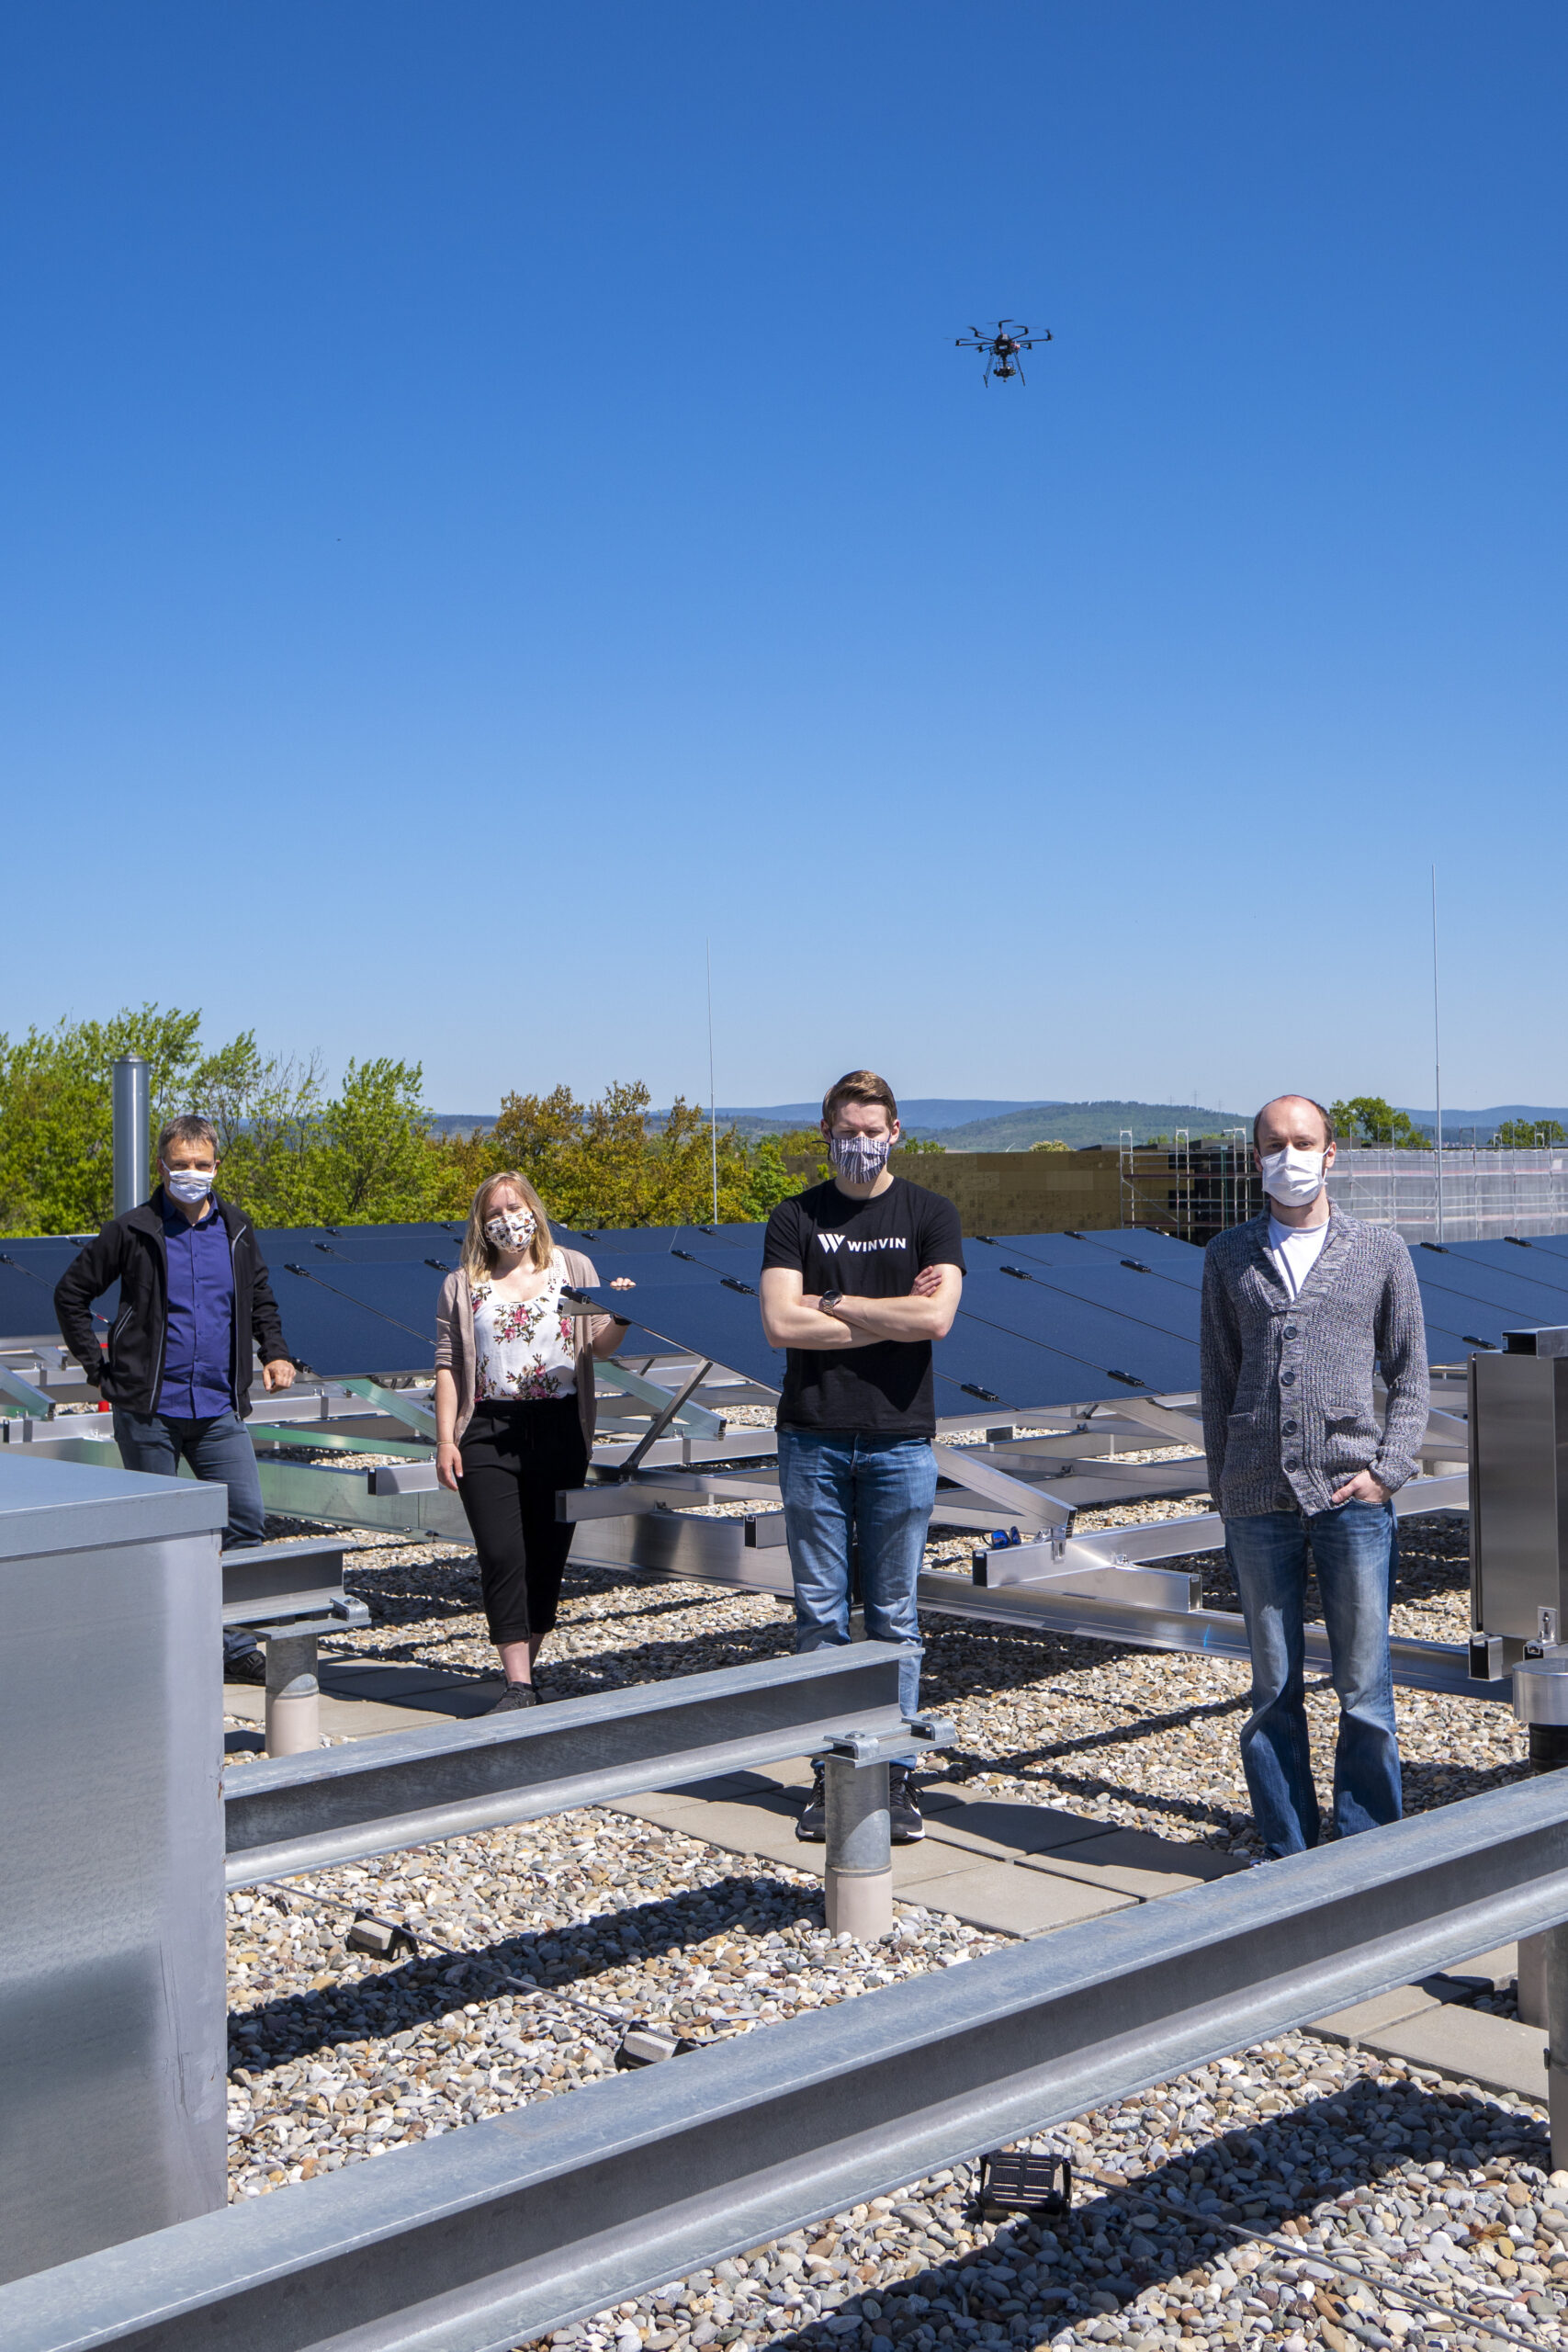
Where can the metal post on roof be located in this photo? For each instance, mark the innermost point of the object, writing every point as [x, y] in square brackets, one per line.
[128, 1100]
[713, 1099]
[1437, 1057]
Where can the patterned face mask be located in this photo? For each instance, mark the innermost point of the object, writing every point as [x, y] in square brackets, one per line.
[860, 1158]
[512, 1230]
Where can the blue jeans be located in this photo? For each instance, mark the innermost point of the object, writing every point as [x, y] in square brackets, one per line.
[218, 1450]
[870, 1497]
[1354, 1551]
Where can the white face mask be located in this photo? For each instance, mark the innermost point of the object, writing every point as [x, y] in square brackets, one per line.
[187, 1183]
[1293, 1177]
[511, 1229]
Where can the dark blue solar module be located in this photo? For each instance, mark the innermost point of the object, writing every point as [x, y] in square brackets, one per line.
[403, 1295]
[369, 1244]
[1170, 1307]
[1551, 1245]
[1097, 1339]
[1544, 1268]
[1447, 1281]
[712, 1322]
[338, 1337]
[986, 1366]
[26, 1288]
[666, 1272]
[1172, 1260]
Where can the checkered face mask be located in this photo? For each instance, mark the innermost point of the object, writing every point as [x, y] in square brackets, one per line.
[860, 1158]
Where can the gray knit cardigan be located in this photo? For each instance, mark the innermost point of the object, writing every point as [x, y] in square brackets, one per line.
[1288, 1384]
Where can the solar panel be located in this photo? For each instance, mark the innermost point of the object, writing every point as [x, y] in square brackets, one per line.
[26, 1288]
[1171, 1307]
[980, 1365]
[1546, 1269]
[367, 1244]
[1098, 1340]
[1172, 1260]
[1446, 1281]
[695, 1319]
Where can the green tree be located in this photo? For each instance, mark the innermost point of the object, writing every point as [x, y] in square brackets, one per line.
[921, 1143]
[369, 1156]
[266, 1112]
[56, 1125]
[601, 1163]
[1528, 1135]
[1047, 1144]
[1367, 1121]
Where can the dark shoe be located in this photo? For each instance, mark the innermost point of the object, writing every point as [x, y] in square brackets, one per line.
[516, 1694]
[905, 1818]
[246, 1665]
[812, 1827]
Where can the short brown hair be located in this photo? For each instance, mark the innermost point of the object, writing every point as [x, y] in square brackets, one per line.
[859, 1086]
[189, 1127]
[1329, 1135]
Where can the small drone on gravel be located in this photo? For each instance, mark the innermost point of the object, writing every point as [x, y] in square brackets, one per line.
[1001, 349]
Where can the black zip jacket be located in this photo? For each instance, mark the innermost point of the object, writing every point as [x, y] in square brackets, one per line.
[132, 1252]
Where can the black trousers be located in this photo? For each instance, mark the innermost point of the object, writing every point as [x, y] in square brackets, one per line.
[515, 1459]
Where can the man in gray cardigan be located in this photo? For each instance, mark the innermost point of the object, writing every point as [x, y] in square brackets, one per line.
[1300, 1307]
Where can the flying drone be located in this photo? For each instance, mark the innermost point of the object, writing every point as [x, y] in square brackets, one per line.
[1001, 349]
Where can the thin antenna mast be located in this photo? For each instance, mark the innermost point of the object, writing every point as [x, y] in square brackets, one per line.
[712, 1100]
[1437, 1057]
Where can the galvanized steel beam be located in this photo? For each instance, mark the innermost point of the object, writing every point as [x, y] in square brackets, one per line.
[339, 1804]
[493, 2235]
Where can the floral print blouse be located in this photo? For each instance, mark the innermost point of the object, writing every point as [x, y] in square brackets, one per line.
[525, 1349]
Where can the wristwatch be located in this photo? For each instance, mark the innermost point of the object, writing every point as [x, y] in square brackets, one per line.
[829, 1300]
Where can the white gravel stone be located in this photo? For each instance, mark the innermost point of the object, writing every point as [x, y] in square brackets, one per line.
[539, 1944]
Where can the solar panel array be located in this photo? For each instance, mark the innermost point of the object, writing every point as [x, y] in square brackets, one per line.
[1048, 1319]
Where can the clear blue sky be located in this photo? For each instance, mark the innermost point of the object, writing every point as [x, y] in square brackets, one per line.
[489, 498]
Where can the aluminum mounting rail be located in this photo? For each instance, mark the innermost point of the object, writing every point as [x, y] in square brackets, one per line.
[375, 1796]
[494, 2235]
[1094, 1612]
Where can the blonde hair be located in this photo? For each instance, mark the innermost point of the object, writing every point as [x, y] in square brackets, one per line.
[476, 1257]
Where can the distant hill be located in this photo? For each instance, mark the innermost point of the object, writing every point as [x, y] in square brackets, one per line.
[920, 1114]
[979, 1126]
[1080, 1123]
[1457, 1125]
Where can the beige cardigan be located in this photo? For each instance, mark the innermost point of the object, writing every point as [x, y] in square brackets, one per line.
[455, 1341]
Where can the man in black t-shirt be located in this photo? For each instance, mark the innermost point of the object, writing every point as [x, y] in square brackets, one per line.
[859, 1277]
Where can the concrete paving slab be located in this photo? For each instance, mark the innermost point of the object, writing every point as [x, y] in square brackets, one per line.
[1499, 1966]
[1364, 2018]
[991, 1825]
[356, 1714]
[1134, 1863]
[1469, 2045]
[1011, 1900]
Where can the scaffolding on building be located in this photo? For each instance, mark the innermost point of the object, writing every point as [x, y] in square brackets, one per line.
[1487, 1196]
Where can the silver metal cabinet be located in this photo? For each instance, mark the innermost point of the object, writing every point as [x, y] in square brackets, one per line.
[112, 2010]
[1518, 1490]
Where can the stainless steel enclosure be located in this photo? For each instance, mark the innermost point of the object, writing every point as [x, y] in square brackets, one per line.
[1518, 1490]
[112, 2010]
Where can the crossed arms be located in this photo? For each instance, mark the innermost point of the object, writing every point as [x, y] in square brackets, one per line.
[792, 1317]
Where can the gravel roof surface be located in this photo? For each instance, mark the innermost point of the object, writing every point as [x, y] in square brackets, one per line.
[538, 1944]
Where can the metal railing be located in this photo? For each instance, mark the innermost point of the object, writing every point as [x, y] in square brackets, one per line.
[494, 2235]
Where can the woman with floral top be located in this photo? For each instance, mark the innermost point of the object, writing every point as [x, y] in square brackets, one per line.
[515, 1410]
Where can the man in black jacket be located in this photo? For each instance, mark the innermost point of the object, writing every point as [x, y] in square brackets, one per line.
[194, 1302]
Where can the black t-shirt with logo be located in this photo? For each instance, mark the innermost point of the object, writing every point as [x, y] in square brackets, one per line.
[869, 1249]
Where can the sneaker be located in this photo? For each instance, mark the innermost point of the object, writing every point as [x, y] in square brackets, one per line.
[812, 1827]
[905, 1817]
[516, 1694]
[246, 1665]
